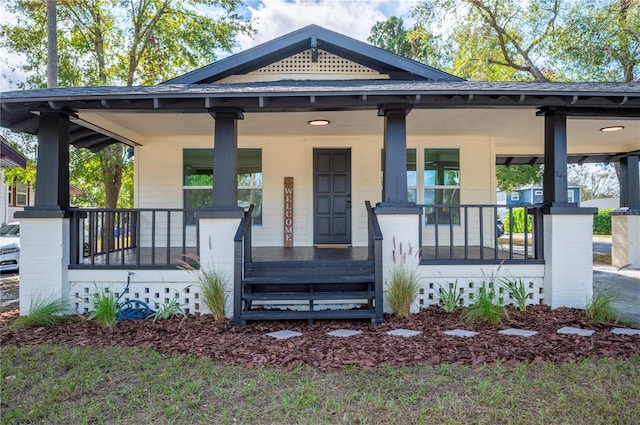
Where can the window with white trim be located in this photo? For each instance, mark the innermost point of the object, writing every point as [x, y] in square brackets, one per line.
[570, 196]
[515, 196]
[19, 194]
[198, 180]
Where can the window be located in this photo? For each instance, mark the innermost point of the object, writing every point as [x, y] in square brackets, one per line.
[412, 174]
[198, 180]
[515, 196]
[19, 195]
[538, 192]
[570, 196]
[441, 179]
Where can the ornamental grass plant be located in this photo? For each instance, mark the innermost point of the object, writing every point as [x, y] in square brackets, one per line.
[212, 285]
[518, 291]
[169, 310]
[487, 307]
[44, 312]
[600, 308]
[105, 308]
[449, 297]
[403, 282]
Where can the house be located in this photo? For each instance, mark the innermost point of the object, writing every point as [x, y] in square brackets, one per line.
[13, 197]
[304, 168]
[603, 203]
[529, 195]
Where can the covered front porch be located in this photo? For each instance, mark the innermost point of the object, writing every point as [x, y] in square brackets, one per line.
[418, 144]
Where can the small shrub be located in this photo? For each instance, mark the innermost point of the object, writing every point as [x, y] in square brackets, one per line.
[487, 306]
[450, 297]
[518, 290]
[44, 312]
[602, 222]
[212, 287]
[600, 308]
[517, 225]
[170, 309]
[105, 308]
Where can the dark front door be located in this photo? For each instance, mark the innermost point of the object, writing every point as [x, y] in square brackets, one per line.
[332, 196]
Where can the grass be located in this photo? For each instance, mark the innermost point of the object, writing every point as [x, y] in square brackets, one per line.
[44, 312]
[487, 306]
[403, 289]
[518, 291]
[128, 385]
[212, 285]
[450, 297]
[105, 308]
[600, 308]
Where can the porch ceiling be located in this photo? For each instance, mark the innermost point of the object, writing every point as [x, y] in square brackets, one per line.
[518, 133]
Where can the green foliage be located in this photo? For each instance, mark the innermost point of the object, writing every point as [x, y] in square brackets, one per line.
[512, 176]
[487, 306]
[113, 42]
[212, 285]
[602, 222]
[450, 297]
[515, 222]
[600, 308]
[44, 312]
[170, 309]
[518, 291]
[105, 308]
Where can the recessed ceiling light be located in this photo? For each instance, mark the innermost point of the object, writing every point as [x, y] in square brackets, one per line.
[319, 122]
[613, 128]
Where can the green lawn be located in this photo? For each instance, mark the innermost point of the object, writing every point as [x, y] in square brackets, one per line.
[63, 385]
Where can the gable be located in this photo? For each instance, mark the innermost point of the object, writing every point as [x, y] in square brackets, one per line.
[301, 66]
[314, 39]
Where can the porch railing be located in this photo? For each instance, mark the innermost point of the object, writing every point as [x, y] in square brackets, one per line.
[242, 255]
[132, 238]
[473, 234]
[375, 254]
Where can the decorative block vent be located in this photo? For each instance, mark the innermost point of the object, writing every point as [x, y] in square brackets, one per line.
[153, 294]
[429, 290]
[329, 63]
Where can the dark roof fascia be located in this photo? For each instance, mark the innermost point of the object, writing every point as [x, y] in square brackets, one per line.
[12, 156]
[300, 40]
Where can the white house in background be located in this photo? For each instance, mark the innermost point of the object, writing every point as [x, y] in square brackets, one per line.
[312, 129]
[13, 197]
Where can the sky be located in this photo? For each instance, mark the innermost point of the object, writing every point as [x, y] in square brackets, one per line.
[273, 18]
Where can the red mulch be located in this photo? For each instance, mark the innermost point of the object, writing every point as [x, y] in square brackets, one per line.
[251, 347]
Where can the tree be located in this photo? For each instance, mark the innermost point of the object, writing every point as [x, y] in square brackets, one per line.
[495, 39]
[595, 180]
[116, 42]
[512, 176]
[601, 42]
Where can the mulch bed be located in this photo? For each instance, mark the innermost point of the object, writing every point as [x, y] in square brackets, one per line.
[250, 347]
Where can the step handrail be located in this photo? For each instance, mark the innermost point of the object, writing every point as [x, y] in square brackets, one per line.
[242, 254]
[375, 254]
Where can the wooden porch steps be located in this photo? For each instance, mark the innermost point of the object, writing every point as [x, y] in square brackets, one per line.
[307, 286]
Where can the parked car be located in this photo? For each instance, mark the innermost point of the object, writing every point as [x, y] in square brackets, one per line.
[499, 228]
[9, 247]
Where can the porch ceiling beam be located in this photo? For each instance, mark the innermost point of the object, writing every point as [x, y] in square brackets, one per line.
[29, 123]
[91, 141]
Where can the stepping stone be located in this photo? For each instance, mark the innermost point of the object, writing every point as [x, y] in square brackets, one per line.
[625, 331]
[344, 333]
[575, 331]
[403, 332]
[460, 332]
[518, 332]
[284, 334]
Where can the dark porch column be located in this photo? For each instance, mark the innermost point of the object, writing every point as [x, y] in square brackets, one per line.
[225, 164]
[555, 158]
[52, 177]
[394, 182]
[630, 182]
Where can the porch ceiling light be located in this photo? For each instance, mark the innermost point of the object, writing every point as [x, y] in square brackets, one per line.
[319, 122]
[612, 128]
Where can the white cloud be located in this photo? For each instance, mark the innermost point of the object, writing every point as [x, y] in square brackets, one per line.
[353, 18]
